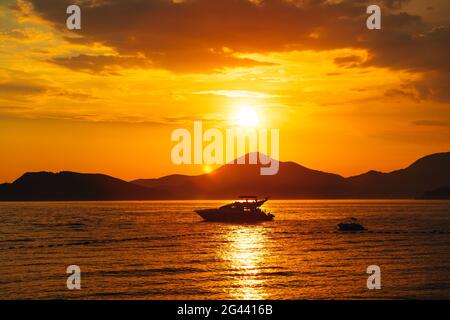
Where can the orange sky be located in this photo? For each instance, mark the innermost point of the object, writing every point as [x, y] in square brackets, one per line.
[106, 98]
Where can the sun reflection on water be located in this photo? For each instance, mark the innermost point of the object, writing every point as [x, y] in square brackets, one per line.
[244, 254]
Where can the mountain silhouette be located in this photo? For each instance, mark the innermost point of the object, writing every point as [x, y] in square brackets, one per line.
[442, 193]
[293, 181]
[427, 173]
[68, 186]
[296, 181]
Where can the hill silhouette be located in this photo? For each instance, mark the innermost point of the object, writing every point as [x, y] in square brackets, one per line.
[296, 181]
[425, 174]
[442, 193]
[293, 181]
[68, 186]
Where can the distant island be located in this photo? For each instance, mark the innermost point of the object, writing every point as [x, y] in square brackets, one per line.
[426, 178]
[439, 193]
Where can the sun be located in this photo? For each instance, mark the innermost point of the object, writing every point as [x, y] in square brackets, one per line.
[207, 169]
[247, 117]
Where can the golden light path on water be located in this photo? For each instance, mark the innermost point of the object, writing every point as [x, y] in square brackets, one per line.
[245, 254]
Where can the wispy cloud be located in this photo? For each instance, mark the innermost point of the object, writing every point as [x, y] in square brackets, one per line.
[431, 123]
[238, 94]
[21, 88]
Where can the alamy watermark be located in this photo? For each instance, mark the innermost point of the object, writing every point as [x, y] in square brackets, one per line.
[374, 20]
[73, 21]
[74, 279]
[224, 147]
[374, 280]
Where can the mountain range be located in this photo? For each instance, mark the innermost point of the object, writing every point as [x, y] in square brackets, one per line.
[428, 177]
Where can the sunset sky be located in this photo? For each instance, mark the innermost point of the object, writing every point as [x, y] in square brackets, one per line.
[106, 98]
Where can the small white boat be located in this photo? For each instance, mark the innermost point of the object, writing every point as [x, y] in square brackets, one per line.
[351, 224]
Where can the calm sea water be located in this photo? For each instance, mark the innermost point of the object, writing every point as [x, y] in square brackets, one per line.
[163, 250]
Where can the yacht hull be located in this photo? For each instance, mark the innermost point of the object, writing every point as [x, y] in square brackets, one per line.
[233, 215]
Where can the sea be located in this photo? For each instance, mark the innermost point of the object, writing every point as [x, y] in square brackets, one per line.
[164, 250]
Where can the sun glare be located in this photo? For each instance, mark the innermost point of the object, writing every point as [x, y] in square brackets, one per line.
[207, 169]
[247, 117]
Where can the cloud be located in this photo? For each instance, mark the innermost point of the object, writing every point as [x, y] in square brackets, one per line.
[210, 119]
[19, 112]
[205, 35]
[101, 64]
[237, 94]
[394, 4]
[424, 51]
[21, 89]
[434, 86]
[349, 61]
[13, 108]
[431, 123]
[15, 34]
